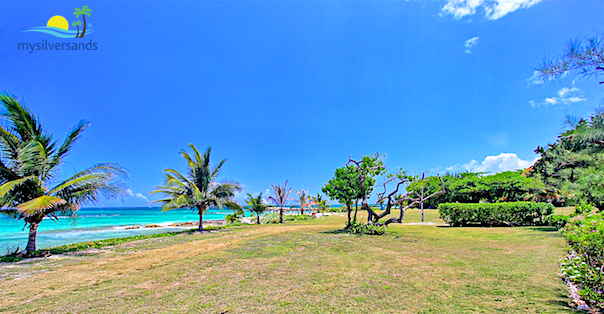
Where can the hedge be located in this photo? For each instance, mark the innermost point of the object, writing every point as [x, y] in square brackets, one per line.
[490, 214]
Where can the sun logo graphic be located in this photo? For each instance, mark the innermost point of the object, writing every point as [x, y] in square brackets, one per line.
[58, 26]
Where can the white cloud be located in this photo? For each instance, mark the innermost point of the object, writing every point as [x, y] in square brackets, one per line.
[493, 9]
[495, 164]
[471, 43]
[538, 79]
[566, 96]
[137, 195]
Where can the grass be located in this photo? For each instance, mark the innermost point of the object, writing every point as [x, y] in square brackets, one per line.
[302, 266]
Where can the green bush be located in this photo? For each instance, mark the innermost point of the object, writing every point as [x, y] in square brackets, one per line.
[272, 218]
[557, 221]
[361, 228]
[585, 264]
[297, 217]
[495, 214]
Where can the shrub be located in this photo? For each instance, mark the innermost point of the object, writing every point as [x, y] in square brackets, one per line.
[272, 218]
[557, 221]
[585, 264]
[512, 214]
[361, 228]
[297, 217]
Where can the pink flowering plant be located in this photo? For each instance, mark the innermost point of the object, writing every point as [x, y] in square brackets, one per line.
[584, 266]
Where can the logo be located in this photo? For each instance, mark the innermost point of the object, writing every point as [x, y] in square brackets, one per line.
[58, 26]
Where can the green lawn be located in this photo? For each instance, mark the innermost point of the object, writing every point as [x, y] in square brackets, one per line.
[305, 266]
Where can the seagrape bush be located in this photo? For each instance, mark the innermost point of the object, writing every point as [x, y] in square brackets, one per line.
[584, 265]
[492, 214]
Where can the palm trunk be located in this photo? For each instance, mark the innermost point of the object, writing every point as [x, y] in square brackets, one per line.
[281, 214]
[301, 210]
[200, 210]
[84, 29]
[258, 218]
[78, 34]
[33, 233]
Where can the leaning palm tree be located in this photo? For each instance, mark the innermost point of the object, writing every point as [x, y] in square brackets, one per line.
[83, 12]
[255, 205]
[198, 190]
[304, 200]
[280, 198]
[77, 23]
[29, 164]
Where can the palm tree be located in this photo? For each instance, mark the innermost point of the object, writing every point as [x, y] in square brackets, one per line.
[255, 205]
[280, 198]
[83, 12]
[304, 200]
[198, 190]
[29, 164]
[77, 23]
[319, 202]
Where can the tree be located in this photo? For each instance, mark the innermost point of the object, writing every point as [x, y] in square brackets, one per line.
[585, 56]
[83, 12]
[255, 205]
[77, 23]
[320, 202]
[280, 197]
[198, 190]
[574, 163]
[370, 166]
[29, 165]
[304, 200]
[342, 188]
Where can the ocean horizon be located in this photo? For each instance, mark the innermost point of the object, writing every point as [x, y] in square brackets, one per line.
[98, 223]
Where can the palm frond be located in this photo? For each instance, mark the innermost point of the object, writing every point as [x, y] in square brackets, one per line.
[40, 205]
[8, 186]
[63, 151]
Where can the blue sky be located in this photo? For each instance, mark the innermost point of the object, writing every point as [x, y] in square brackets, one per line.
[287, 90]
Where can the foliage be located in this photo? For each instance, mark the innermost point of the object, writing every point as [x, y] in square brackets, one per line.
[280, 197]
[29, 165]
[355, 181]
[232, 218]
[369, 229]
[574, 163]
[508, 186]
[512, 214]
[557, 221]
[198, 190]
[343, 188]
[585, 265]
[271, 218]
[298, 217]
[304, 199]
[256, 206]
[585, 56]
[320, 203]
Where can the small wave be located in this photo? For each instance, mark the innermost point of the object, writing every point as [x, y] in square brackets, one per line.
[57, 32]
[59, 217]
[97, 216]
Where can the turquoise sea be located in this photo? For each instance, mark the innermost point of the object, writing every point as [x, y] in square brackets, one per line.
[93, 224]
